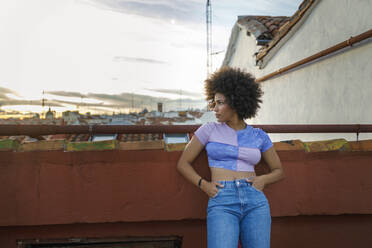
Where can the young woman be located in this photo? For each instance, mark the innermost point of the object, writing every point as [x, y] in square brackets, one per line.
[237, 206]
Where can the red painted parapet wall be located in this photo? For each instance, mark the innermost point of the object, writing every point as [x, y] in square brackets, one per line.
[118, 186]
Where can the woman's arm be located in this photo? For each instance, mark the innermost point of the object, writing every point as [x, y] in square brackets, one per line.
[272, 160]
[191, 151]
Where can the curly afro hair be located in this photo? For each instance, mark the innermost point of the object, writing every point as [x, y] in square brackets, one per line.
[241, 91]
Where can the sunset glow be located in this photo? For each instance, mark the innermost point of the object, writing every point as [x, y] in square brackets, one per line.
[116, 55]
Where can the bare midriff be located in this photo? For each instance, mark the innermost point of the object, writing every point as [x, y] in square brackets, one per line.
[219, 174]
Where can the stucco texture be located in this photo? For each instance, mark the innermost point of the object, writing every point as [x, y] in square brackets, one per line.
[333, 90]
[58, 194]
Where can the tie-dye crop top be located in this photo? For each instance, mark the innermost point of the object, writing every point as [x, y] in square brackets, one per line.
[230, 149]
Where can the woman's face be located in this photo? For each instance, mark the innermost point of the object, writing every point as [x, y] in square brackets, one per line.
[222, 109]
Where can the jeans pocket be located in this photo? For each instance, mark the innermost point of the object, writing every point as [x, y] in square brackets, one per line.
[256, 189]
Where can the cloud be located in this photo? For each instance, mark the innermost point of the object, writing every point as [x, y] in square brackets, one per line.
[137, 60]
[193, 11]
[122, 98]
[187, 100]
[178, 10]
[4, 91]
[3, 96]
[131, 100]
[10, 112]
[176, 104]
[177, 92]
[8, 101]
[15, 102]
[111, 102]
[66, 94]
[126, 99]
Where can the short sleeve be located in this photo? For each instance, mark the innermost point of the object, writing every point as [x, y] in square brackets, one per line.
[266, 143]
[203, 132]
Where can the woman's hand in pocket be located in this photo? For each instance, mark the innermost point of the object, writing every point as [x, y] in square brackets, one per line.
[258, 182]
[210, 188]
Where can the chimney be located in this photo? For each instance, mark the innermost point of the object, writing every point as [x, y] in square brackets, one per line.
[160, 107]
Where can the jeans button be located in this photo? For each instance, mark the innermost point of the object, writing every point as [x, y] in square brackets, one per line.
[237, 183]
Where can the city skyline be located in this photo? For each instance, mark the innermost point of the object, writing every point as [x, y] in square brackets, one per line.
[102, 53]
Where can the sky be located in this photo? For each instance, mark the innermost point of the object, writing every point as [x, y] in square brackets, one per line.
[114, 55]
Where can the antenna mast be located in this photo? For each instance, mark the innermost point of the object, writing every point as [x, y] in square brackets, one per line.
[209, 37]
[43, 104]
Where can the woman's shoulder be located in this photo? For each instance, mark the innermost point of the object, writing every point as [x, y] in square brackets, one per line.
[207, 127]
[259, 131]
[204, 131]
[210, 124]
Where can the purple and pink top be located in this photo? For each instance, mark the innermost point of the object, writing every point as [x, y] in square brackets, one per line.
[230, 149]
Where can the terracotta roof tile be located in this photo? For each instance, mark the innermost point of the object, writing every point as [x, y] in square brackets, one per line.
[271, 29]
[78, 137]
[263, 26]
[283, 26]
[139, 137]
[57, 137]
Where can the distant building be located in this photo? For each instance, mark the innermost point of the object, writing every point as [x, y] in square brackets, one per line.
[208, 116]
[160, 107]
[171, 114]
[71, 117]
[50, 115]
[143, 112]
[123, 120]
[97, 121]
[154, 114]
[182, 113]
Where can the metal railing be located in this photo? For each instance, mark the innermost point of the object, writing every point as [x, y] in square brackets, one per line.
[38, 130]
[347, 43]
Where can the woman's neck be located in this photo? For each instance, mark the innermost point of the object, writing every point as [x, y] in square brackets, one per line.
[236, 124]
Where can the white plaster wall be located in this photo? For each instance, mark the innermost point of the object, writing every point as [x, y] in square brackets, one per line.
[336, 90]
[244, 54]
[330, 22]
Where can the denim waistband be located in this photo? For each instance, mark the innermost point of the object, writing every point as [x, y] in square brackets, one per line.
[235, 183]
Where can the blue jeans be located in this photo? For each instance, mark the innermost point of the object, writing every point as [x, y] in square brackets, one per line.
[238, 211]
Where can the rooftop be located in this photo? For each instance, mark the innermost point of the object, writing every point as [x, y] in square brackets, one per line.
[263, 27]
[285, 27]
[142, 137]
